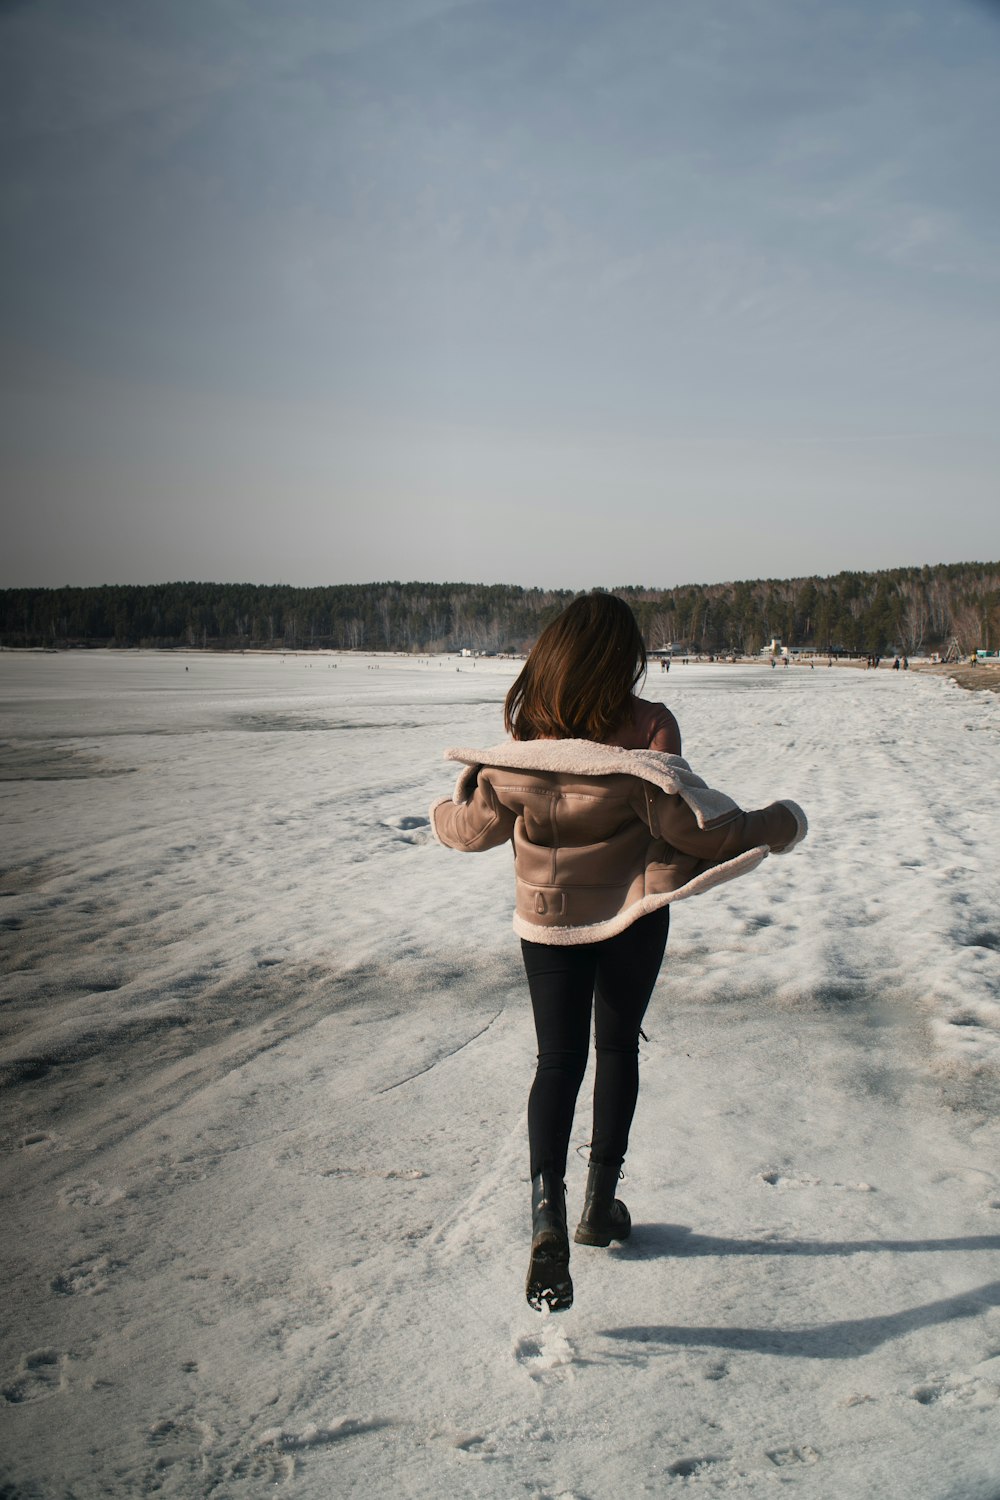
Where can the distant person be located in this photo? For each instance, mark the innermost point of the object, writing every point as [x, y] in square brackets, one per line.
[895, 664]
[606, 836]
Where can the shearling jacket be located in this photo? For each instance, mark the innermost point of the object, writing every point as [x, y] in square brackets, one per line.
[603, 835]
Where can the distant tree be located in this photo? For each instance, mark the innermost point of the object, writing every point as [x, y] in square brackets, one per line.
[914, 618]
[967, 626]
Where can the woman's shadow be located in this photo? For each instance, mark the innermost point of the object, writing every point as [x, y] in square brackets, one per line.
[848, 1339]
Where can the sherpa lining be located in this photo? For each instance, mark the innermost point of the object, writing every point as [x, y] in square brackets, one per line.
[671, 773]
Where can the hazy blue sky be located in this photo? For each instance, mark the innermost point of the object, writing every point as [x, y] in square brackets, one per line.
[562, 292]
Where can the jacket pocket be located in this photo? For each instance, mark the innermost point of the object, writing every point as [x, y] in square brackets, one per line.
[543, 904]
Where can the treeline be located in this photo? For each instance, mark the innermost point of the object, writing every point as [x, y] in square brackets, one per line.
[913, 609]
[237, 616]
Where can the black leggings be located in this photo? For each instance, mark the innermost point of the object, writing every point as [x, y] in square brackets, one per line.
[618, 975]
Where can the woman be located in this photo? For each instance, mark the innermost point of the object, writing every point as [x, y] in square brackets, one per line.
[609, 827]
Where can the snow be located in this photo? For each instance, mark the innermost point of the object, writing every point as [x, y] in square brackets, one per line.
[265, 1051]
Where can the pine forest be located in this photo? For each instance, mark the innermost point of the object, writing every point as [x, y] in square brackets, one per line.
[915, 610]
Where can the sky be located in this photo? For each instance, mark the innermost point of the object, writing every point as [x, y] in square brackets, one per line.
[563, 294]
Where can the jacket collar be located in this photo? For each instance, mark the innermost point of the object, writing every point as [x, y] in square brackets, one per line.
[579, 758]
[670, 773]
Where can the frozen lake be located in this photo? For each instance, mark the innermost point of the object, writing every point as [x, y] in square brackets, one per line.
[265, 1054]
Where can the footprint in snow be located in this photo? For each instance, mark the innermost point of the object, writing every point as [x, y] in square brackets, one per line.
[90, 1195]
[266, 1467]
[927, 1394]
[412, 829]
[476, 1444]
[88, 1276]
[687, 1468]
[777, 1179]
[41, 1374]
[179, 1442]
[955, 1391]
[784, 1458]
[541, 1354]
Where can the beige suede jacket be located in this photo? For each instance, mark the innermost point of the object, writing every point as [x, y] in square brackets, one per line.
[603, 835]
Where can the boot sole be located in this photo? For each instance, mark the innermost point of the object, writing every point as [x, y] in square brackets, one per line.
[585, 1236]
[548, 1283]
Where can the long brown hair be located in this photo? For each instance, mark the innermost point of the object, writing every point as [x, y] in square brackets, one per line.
[577, 681]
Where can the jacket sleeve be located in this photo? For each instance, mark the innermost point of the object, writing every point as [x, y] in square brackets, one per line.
[480, 823]
[778, 826]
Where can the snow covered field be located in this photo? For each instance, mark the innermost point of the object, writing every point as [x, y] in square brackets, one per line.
[264, 1059]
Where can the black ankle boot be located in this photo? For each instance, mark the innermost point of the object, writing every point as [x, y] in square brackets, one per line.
[605, 1217]
[548, 1280]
